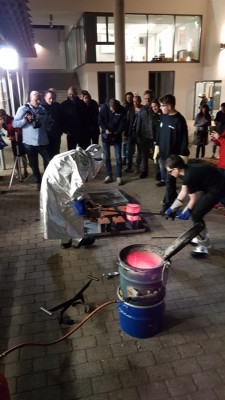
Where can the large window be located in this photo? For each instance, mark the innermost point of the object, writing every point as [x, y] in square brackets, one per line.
[71, 54]
[136, 37]
[148, 38]
[151, 38]
[187, 38]
[75, 46]
[105, 49]
[160, 37]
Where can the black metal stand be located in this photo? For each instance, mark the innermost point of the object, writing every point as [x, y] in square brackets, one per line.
[17, 163]
[77, 299]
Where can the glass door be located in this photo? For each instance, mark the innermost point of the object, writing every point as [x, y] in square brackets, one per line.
[211, 90]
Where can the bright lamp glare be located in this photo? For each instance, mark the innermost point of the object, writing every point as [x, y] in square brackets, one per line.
[8, 58]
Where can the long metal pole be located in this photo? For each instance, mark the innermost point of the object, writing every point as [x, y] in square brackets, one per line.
[119, 23]
[11, 93]
[18, 87]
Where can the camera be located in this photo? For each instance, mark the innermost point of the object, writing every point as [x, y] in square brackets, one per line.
[36, 123]
[34, 120]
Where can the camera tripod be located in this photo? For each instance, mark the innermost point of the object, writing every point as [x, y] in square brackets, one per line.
[17, 164]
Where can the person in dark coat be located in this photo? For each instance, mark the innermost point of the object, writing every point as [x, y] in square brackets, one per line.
[130, 133]
[202, 123]
[92, 111]
[144, 132]
[74, 124]
[127, 104]
[112, 122]
[53, 125]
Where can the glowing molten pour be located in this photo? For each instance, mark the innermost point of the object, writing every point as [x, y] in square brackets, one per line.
[143, 260]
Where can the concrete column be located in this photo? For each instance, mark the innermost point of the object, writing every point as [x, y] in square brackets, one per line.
[119, 23]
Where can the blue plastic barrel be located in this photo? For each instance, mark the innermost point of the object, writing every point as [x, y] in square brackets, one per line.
[140, 321]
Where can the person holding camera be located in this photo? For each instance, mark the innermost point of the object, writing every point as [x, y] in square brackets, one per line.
[32, 117]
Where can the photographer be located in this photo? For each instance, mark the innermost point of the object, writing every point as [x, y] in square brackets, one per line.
[32, 119]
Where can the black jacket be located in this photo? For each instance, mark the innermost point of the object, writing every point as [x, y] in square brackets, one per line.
[73, 117]
[172, 136]
[144, 123]
[113, 121]
[53, 122]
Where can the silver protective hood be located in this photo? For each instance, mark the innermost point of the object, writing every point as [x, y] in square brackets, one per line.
[63, 182]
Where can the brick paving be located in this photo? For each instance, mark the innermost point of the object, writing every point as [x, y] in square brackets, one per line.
[186, 360]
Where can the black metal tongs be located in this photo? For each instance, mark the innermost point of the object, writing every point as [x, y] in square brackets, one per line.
[77, 299]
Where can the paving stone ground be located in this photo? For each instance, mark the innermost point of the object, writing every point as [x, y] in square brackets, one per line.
[186, 360]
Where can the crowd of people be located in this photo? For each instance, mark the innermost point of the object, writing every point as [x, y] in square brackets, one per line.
[147, 127]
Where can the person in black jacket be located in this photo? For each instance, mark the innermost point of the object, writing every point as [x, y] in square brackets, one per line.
[130, 133]
[197, 178]
[171, 138]
[53, 125]
[112, 122]
[92, 111]
[74, 122]
[144, 132]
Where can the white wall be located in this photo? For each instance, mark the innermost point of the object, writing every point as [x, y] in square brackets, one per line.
[137, 80]
[214, 58]
[50, 49]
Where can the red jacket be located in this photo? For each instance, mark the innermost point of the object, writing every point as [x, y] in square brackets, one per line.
[11, 131]
[221, 143]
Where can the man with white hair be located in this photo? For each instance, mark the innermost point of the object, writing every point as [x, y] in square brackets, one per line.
[32, 117]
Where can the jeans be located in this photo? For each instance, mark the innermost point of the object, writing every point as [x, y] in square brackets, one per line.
[206, 202]
[131, 142]
[32, 153]
[124, 151]
[170, 192]
[214, 146]
[202, 148]
[146, 145]
[162, 169]
[108, 165]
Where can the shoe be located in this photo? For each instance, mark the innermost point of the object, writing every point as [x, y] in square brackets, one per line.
[108, 179]
[137, 170]
[127, 170]
[119, 181]
[86, 242]
[25, 175]
[160, 183]
[212, 156]
[218, 206]
[200, 252]
[143, 175]
[195, 241]
[66, 245]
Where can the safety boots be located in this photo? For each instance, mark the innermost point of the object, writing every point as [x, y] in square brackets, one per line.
[202, 245]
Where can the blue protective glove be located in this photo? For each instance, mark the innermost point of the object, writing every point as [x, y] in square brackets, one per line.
[183, 215]
[170, 213]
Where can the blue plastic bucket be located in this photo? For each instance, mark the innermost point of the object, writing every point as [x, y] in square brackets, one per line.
[80, 207]
[140, 321]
